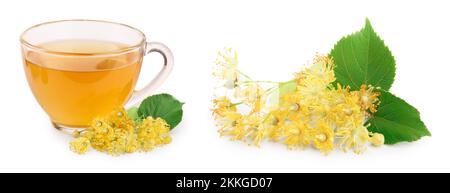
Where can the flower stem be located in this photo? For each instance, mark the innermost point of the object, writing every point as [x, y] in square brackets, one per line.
[236, 104]
[261, 81]
[244, 75]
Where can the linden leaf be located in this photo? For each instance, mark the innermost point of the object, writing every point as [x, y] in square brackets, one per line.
[397, 120]
[164, 106]
[363, 58]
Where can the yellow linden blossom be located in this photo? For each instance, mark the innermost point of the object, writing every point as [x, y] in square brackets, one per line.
[346, 110]
[227, 121]
[117, 134]
[296, 135]
[226, 67]
[255, 129]
[353, 139]
[316, 113]
[368, 98]
[152, 133]
[323, 137]
[80, 145]
[277, 123]
[312, 81]
[222, 105]
[253, 95]
[232, 124]
[258, 134]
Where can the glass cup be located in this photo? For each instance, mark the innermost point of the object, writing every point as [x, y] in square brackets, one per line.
[81, 69]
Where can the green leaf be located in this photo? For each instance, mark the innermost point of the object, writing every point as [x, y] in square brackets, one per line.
[164, 106]
[397, 120]
[133, 114]
[363, 58]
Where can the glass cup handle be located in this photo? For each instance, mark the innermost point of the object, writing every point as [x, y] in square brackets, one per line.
[140, 95]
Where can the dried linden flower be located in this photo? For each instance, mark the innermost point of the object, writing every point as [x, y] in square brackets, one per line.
[152, 133]
[117, 134]
[80, 145]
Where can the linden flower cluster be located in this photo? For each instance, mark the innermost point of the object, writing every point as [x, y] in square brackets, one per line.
[118, 134]
[314, 113]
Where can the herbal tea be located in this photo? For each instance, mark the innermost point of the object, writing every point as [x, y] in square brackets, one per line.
[90, 80]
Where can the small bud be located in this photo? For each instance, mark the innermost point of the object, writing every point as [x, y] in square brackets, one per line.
[377, 139]
[76, 133]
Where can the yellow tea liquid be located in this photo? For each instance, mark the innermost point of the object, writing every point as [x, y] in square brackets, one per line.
[75, 88]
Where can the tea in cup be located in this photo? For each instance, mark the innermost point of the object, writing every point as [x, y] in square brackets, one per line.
[80, 69]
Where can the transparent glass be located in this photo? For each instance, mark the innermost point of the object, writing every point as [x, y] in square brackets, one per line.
[80, 69]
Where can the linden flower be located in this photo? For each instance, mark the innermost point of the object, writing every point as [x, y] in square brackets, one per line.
[345, 110]
[291, 101]
[238, 131]
[111, 134]
[317, 76]
[255, 129]
[253, 95]
[227, 120]
[226, 68]
[323, 137]
[353, 139]
[117, 134]
[317, 112]
[153, 133]
[258, 134]
[296, 135]
[368, 98]
[222, 105]
[276, 124]
[80, 145]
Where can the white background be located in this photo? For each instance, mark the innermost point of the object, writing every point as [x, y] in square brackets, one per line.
[274, 40]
